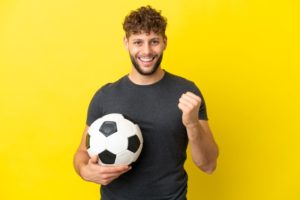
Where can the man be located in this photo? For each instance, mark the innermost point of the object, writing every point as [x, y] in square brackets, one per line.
[170, 111]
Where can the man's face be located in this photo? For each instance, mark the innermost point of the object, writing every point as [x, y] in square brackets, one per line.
[146, 51]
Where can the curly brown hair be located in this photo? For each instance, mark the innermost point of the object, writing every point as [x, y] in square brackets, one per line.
[145, 19]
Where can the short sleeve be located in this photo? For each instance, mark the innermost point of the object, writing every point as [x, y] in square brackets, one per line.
[202, 111]
[95, 108]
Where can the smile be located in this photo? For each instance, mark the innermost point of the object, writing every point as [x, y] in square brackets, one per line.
[146, 59]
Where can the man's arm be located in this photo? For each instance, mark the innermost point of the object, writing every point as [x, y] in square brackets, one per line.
[81, 156]
[204, 149]
[89, 169]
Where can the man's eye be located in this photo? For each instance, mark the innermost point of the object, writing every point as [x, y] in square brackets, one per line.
[137, 42]
[155, 42]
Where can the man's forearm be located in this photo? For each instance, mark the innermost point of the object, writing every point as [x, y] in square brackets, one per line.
[204, 150]
[81, 158]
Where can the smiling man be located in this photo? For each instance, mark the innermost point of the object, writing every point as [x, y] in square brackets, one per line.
[170, 111]
[146, 52]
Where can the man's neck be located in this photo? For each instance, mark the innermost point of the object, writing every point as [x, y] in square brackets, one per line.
[140, 79]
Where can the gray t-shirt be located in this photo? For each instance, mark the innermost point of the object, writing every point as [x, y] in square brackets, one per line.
[159, 173]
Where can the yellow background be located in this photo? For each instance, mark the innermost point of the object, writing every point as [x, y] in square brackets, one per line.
[243, 54]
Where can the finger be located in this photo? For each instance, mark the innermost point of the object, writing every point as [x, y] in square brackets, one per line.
[194, 96]
[115, 169]
[113, 175]
[108, 180]
[183, 107]
[109, 177]
[190, 100]
[186, 103]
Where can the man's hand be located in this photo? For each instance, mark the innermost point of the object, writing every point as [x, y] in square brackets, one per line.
[189, 104]
[101, 174]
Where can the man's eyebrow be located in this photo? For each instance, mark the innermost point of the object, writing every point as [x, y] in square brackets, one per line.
[137, 39]
[155, 38]
[140, 39]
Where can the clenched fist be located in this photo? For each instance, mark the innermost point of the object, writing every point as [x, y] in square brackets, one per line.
[189, 104]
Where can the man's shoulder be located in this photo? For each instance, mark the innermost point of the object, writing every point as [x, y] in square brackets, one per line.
[179, 79]
[113, 85]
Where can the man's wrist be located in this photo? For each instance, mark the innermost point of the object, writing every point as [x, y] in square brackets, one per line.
[193, 131]
[193, 125]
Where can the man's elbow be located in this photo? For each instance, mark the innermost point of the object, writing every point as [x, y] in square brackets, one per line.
[208, 164]
[208, 168]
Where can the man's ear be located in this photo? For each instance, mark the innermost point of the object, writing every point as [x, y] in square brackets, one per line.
[125, 41]
[165, 41]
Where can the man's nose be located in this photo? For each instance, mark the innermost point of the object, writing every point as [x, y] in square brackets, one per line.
[146, 49]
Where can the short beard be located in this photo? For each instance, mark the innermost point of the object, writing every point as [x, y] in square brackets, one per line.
[139, 69]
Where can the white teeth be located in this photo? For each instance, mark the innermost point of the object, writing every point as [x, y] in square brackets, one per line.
[146, 59]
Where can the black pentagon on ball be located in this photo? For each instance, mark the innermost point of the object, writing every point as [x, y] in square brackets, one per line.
[107, 157]
[108, 128]
[133, 143]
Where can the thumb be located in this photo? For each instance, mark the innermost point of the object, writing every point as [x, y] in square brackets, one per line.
[94, 159]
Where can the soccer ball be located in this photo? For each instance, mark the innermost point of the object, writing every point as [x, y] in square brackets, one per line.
[116, 140]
